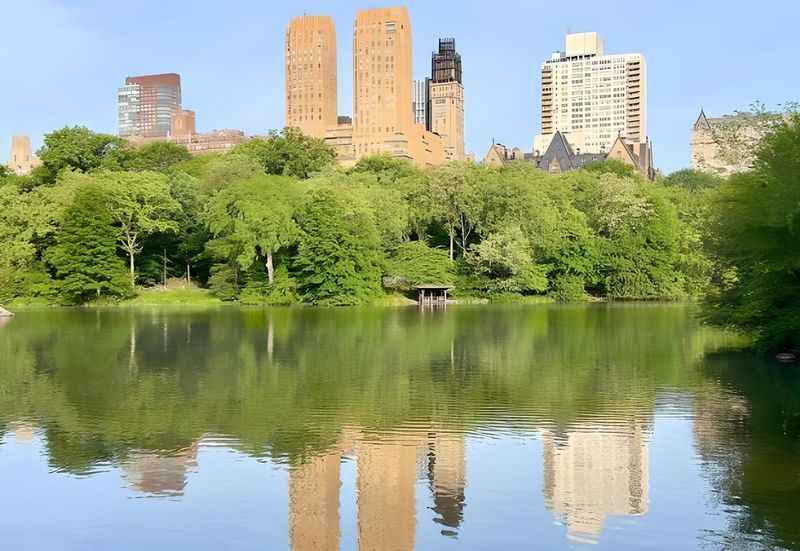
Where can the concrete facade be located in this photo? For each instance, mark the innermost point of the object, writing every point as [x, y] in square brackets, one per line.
[311, 74]
[447, 117]
[592, 97]
[22, 160]
[146, 103]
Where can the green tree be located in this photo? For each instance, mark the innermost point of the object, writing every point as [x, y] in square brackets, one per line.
[414, 263]
[157, 156]
[387, 169]
[339, 259]
[612, 166]
[288, 153]
[452, 196]
[76, 148]
[693, 180]
[141, 204]
[506, 257]
[755, 237]
[256, 217]
[85, 254]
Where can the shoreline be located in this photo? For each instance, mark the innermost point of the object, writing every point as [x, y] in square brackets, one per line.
[196, 298]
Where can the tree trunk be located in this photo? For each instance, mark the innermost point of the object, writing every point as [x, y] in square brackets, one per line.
[133, 271]
[188, 274]
[450, 232]
[270, 268]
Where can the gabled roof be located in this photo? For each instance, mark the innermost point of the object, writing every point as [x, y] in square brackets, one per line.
[620, 144]
[558, 149]
[702, 122]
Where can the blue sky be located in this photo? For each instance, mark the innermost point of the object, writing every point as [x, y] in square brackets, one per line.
[62, 61]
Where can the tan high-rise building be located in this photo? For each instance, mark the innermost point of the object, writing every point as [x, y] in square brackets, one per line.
[22, 160]
[311, 74]
[592, 98]
[382, 87]
[383, 116]
[446, 99]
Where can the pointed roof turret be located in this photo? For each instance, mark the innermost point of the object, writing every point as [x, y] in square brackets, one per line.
[702, 121]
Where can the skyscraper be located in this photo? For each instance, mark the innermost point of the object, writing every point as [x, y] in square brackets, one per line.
[446, 98]
[311, 74]
[381, 77]
[383, 115]
[146, 104]
[591, 97]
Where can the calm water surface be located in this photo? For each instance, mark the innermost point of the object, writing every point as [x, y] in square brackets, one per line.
[621, 427]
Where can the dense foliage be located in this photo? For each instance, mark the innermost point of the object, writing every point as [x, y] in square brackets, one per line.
[274, 221]
[755, 237]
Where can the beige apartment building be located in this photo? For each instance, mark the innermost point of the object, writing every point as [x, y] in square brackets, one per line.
[592, 98]
[383, 118]
[311, 74]
[22, 160]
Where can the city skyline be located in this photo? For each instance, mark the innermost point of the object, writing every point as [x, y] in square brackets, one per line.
[249, 49]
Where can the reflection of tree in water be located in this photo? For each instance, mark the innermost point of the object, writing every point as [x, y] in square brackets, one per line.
[747, 431]
[287, 383]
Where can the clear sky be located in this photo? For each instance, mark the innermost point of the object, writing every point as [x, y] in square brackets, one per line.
[61, 61]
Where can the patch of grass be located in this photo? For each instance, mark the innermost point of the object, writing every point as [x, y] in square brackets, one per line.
[157, 296]
[392, 299]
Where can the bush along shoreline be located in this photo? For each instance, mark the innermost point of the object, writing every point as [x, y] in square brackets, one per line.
[276, 222]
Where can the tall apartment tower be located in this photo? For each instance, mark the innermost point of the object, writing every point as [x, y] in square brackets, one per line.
[382, 103]
[22, 160]
[146, 104]
[311, 74]
[421, 103]
[446, 98]
[591, 97]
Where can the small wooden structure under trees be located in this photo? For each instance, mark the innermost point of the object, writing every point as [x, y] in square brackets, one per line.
[431, 294]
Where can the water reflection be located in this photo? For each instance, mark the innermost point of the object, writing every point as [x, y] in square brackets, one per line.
[382, 421]
[595, 472]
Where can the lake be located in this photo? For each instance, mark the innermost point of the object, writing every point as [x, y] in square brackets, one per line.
[470, 427]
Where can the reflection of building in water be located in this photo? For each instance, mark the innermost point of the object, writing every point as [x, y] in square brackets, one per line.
[387, 472]
[386, 507]
[447, 476]
[596, 472]
[23, 433]
[160, 474]
[314, 504]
